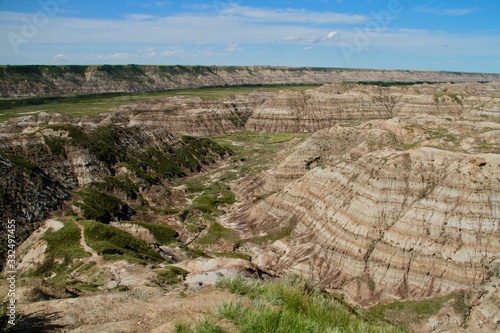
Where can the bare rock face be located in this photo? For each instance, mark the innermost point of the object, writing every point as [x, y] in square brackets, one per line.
[42, 81]
[191, 116]
[41, 168]
[327, 146]
[314, 110]
[401, 213]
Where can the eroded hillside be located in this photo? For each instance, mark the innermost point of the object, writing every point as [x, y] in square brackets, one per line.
[46, 81]
[381, 193]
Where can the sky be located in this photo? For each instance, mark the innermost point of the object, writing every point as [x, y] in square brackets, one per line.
[382, 34]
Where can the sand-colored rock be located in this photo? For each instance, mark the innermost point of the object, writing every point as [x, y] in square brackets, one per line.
[416, 222]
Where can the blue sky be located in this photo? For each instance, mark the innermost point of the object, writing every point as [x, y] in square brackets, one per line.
[386, 34]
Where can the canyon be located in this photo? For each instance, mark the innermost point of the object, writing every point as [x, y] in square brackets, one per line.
[385, 193]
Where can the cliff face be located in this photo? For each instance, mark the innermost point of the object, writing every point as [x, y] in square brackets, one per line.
[42, 81]
[314, 110]
[386, 209]
[95, 172]
[290, 112]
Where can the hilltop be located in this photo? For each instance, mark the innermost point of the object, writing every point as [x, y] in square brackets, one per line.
[52, 81]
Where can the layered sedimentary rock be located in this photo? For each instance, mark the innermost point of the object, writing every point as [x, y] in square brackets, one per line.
[41, 169]
[192, 116]
[327, 146]
[293, 112]
[42, 81]
[288, 111]
[402, 213]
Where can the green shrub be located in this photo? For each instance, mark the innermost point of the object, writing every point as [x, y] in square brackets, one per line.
[162, 234]
[102, 207]
[169, 276]
[117, 244]
[216, 232]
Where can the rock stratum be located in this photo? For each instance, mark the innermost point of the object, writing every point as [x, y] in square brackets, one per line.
[394, 194]
[43, 81]
[288, 111]
[385, 210]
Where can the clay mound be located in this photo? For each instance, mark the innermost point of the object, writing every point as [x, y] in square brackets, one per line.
[294, 112]
[386, 209]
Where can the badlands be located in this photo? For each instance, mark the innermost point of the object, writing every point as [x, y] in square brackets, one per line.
[384, 195]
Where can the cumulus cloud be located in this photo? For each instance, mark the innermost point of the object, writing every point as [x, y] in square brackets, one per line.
[115, 56]
[331, 35]
[317, 40]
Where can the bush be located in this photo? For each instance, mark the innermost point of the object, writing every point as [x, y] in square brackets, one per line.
[102, 207]
[114, 243]
[169, 276]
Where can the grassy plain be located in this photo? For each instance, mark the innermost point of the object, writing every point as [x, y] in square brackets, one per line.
[93, 105]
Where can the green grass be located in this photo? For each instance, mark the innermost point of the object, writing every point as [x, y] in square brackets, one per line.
[61, 244]
[115, 244]
[234, 255]
[255, 150]
[169, 276]
[273, 236]
[404, 314]
[94, 105]
[162, 234]
[216, 232]
[289, 305]
[212, 197]
[277, 234]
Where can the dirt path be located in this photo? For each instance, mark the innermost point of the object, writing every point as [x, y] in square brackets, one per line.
[94, 256]
[126, 312]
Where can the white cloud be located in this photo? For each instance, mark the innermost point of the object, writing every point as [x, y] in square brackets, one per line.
[199, 35]
[141, 17]
[332, 35]
[115, 56]
[314, 40]
[292, 38]
[233, 47]
[291, 15]
[61, 57]
[445, 11]
[148, 50]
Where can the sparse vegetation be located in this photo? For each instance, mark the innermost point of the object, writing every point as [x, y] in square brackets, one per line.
[170, 276]
[115, 244]
[162, 234]
[95, 104]
[63, 246]
[291, 304]
[216, 232]
[404, 314]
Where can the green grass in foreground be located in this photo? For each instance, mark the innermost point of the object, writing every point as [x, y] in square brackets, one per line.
[288, 305]
[93, 105]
